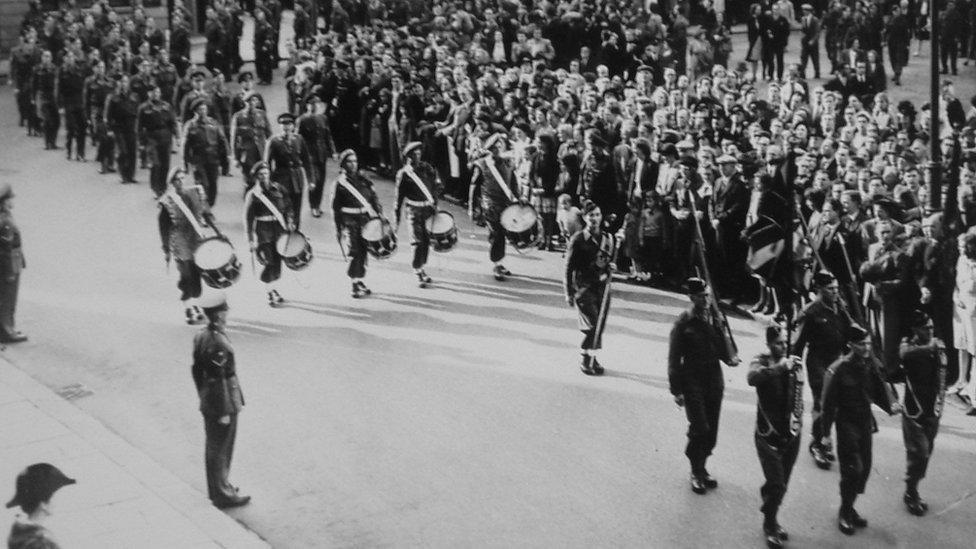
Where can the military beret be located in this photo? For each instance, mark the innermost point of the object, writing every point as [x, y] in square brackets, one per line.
[856, 333]
[412, 146]
[37, 483]
[493, 140]
[589, 206]
[198, 73]
[806, 7]
[196, 103]
[346, 155]
[245, 75]
[695, 286]
[823, 278]
[258, 167]
[286, 118]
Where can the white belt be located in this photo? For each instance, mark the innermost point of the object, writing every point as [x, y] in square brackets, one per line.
[353, 210]
[417, 203]
[265, 218]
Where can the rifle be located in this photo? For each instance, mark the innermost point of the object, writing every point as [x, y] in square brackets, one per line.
[731, 350]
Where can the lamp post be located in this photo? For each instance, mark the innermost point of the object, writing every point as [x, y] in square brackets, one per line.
[935, 166]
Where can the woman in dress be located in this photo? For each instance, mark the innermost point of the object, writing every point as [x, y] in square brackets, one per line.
[964, 316]
[753, 25]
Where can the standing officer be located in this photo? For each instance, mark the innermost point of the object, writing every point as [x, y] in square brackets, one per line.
[98, 87]
[249, 133]
[822, 328]
[499, 189]
[417, 185]
[182, 215]
[156, 126]
[121, 111]
[11, 263]
[204, 148]
[809, 41]
[923, 369]
[287, 156]
[695, 379]
[267, 215]
[44, 85]
[778, 380]
[589, 254]
[353, 204]
[215, 376]
[71, 98]
[313, 127]
[851, 385]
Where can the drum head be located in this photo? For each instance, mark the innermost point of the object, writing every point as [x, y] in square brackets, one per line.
[518, 218]
[291, 244]
[213, 253]
[373, 230]
[441, 223]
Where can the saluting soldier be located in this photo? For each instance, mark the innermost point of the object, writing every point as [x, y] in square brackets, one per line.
[183, 213]
[417, 187]
[778, 380]
[267, 215]
[695, 377]
[589, 254]
[822, 328]
[923, 369]
[249, 134]
[287, 156]
[353, 204]
[98, 87]
[243, 97]
[499, 189]
[221, 400]
[314, 128]
[157, 128]
[204, 148]
[851, 385]
[11, 264]
[71, 98]
[44, 85]
[121, 110]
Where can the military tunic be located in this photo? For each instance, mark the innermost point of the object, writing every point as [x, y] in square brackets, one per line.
[923, 369]
[179, 235]
[822, 331]
[496, 195]
[351, 215]
[11, 264]
[587, 276]
[421, 205]
[265, 225]
[157, 128]
[204, 150]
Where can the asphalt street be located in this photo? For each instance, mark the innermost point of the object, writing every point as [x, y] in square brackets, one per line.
[441, 417]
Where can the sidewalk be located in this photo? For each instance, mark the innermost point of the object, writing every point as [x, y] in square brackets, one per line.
[122, 499]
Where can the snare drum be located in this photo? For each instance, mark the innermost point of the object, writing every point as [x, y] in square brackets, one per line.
[380, 238]
[522, 226]
[219, 266]
[442, 231]
[295, 250]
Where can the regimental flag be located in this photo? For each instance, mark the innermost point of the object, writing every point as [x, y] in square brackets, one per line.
[766, 245]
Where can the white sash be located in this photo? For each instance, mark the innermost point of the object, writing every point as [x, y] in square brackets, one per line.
[498, 177]
[274, 210]
[423, 188]
[181, 205]
[357, 195]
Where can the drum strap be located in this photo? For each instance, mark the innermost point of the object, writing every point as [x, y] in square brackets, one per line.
[416, 179]
[178, 200]
[357, 195]
[498, 177]
[271, 207]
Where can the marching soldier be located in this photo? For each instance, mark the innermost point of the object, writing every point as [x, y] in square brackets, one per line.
[71, 98]
[166, 77]
[287, 156]
[267, 215]
[215, 375]
[589, 254]
[204, 148]
[778, 380]
[314, 128]
[44, 85]
[98, 87]
[240, 101]
[249, 133]
[156, 126]
[417, 186]
[923, 369]
[695, 379]
[198, 82]
[822, 328]
[499, 189]
[851, 384]
[121, 110]
[23, 60]
[182, 215]
[11, 264]
[353, 204]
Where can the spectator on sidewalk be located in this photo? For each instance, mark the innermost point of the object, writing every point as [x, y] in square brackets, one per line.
[11, 263]
[36, 486]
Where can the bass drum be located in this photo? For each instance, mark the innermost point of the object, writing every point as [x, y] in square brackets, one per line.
[442, 230]
[218, 264]
[380, 238]
[295, 250]
[522, 226]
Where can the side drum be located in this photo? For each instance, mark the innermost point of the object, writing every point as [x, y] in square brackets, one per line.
[218, 264]
[443, 231]
[380, 238]
[295, 250]
[522, 226]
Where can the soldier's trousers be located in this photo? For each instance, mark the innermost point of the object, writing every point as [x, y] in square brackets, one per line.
[703, 405]
[813, 55]
[590, 317]
[318, 185]
[105, 146]
[815, 376]
[266, 233]
[919, 435]
[776, 459]
[75, 125]
[352, 236]
[218, 454]
[158, 157]
[25, 106]
[206, 176]
[854, 455]
[417, 218]
[9, 286]
[496, 233]
[50, 122]
[189, 283]
[125, 143]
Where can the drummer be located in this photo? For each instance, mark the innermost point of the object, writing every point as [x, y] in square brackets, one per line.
[588, 257]
[499, 190]
[417, 185]
[183, 212]
[354, 202]
[268, 214]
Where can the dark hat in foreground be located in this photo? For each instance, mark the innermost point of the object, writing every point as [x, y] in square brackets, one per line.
[38, 483]
[245, 75]
[6, 192]
[856, 333]
[695, 286]
[213, 302]
[823, 279]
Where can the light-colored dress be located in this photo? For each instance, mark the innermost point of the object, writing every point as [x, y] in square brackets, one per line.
[964, 306]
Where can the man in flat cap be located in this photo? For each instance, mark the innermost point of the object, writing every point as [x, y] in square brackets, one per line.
[727, 210]
[695, 378]
[249, 134]
[36, 485]
[851, 385]
[287, 156]
[11, 264]
[215, 375]
[417, 185]
[204, 148]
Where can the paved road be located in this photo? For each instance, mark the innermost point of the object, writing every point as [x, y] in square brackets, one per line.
[440, 417]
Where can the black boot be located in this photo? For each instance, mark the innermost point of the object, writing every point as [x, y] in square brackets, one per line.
[914, 502]
[586, 365]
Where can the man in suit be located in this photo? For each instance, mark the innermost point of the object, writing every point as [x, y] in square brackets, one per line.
[810, 42]
[642, 172]
[727, 211]
[899, 35]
